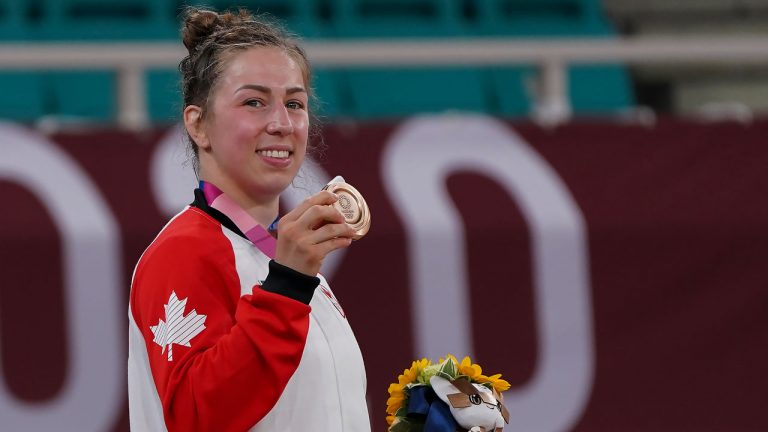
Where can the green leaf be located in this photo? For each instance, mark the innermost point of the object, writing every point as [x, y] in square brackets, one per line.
[406, 425]
[401, 426]
[428, 373]
[402, 412]
[448, 370]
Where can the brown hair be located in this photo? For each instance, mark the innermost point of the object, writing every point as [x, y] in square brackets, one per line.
[211, 37]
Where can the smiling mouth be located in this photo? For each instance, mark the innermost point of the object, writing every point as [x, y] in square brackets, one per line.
[276, 154]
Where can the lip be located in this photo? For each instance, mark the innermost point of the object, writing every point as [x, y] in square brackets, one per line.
[276, 162]
[277, 147]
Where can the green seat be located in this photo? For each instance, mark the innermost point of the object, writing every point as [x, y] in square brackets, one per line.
[603, 89]
[592, 89]
[89, 95]
[302, 17]
[23, 95]
[513, 90]
[164, 95]
[329, 101]
[540, 17]
[396, 18]
[13, 25]
[402, 92]
[108, 20]
[387, 92]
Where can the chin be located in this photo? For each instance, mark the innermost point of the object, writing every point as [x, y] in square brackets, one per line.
[275, 187]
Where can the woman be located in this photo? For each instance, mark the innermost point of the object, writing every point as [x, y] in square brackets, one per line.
[230, 329]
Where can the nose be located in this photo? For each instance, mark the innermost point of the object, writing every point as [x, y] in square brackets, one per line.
[279, 122]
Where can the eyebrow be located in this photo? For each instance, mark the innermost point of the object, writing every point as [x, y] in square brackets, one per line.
[265, 89]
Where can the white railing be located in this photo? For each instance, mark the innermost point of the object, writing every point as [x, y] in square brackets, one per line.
[553, 56]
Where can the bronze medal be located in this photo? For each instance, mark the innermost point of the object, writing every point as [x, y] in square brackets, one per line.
[352, 206]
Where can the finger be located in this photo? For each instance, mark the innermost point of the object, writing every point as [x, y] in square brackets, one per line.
[322, 198]
[319, 215]
[331, 245]
[330, 231]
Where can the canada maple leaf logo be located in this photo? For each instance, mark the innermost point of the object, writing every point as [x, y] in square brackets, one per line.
[177, 328]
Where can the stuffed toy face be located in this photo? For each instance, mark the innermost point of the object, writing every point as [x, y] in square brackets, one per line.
[472, 405]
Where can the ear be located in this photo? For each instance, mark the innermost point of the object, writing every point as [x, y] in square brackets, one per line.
[504, 410]
[497, 395]
[193, 122]
[443, 388]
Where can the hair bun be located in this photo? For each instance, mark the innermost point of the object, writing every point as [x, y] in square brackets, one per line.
[198, 26]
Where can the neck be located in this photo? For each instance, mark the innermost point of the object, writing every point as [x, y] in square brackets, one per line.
[264, 211]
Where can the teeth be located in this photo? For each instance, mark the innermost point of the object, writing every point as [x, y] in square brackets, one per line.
[279, 154]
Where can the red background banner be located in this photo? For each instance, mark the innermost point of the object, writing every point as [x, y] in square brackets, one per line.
[676, 221]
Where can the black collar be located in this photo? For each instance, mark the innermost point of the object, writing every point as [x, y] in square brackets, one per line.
[202, 204]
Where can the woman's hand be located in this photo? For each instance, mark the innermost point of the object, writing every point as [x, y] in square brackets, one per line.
[309, 232]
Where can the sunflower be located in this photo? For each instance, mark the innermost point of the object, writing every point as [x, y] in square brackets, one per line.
[495, 381]
[397, 390]
[419, 374]
[396, 398]
[466, 367]
[411, 374]
[393, 404]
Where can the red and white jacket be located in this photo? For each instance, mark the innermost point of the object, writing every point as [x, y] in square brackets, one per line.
[221, 338]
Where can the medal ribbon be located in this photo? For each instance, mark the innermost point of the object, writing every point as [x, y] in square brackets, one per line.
[256, 233]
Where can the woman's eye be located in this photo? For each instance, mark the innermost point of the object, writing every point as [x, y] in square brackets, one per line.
[294, 105]
[254, 103]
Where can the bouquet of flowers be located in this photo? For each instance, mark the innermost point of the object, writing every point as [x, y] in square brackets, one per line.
[446, 395]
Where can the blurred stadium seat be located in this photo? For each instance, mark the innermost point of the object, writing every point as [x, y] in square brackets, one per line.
[592, 89]
[539, 17]
[597, 90]
[402, 92]
[163, 95]
[107, 19]
[13, 25]
[396, 18]
[91, 95]
[301, 16]
[23, 93]
[357, 92]
[330, 100]
[85, 95]
[376, 92]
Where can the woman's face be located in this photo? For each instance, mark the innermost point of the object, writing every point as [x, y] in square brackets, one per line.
[257, 125]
